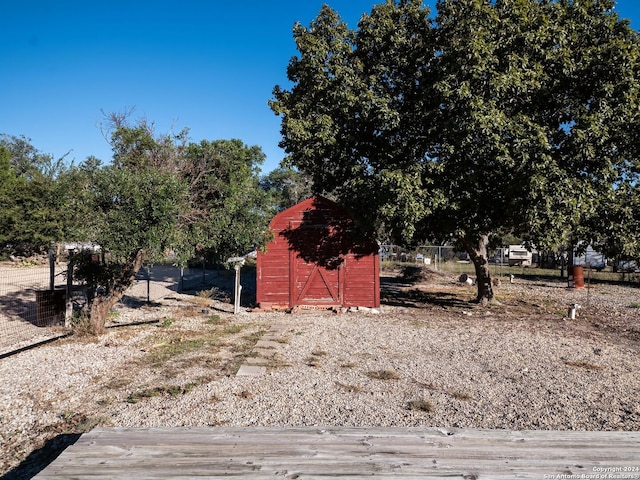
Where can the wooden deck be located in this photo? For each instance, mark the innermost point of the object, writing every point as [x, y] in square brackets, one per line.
[305, 453]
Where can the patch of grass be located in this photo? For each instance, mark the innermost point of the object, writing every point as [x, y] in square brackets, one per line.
[635, 305]
[187, 311]
[254, 337]
[349, 365]
[203, 297]
[233, 329]
[171, 390]
[74, 422]
[113, 314]
[178, 345]
[420, 405]
[383, 375]
[214, 320]
[242, 351]
[460, 395]
[167, 322]
[314, 359]
[278, 363]
[81, 326]
[118, 383]
[231, 366]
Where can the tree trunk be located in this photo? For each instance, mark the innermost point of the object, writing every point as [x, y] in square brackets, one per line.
[98, 313]
[102, 303]
[479, 254]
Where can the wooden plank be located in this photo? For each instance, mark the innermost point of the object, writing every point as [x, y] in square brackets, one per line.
[352, 452]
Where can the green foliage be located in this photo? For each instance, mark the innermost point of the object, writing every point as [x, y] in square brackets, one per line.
[492, 118]
[535, 99]
[227, 212]
[30, 198]
[615, 228]
[170, 390]
[353, 120]
[161, 194]
[27, 161]
[286, 187]
[133, 210]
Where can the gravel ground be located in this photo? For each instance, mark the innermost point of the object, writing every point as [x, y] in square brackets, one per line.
[430, 358]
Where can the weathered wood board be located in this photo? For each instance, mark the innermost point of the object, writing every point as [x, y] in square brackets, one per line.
[305, 453]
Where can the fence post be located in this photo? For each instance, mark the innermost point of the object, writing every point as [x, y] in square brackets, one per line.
[69, 307]
[52, 270]
[238, 289]
[148, 284]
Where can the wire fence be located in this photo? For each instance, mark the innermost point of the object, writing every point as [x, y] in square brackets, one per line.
[448, 260]
[30, 310]
[33, 298]
[154, 283]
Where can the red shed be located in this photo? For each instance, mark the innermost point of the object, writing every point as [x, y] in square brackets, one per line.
[315, 260]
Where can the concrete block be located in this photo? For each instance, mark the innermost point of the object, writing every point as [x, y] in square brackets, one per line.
[251, 371]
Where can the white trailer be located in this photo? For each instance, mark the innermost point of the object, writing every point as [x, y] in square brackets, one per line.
[519, 255]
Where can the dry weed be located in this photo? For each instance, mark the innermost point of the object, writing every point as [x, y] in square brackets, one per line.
[350, 388]
[582, 364]
[420, 405]
[383, 375]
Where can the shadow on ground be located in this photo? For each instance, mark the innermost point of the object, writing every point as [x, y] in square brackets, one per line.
[39, 459]
[397, 292]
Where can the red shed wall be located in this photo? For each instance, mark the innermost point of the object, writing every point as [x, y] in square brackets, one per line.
[362, 281]
[272, 284]
[293, 270]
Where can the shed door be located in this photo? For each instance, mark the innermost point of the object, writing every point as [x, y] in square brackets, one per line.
[312, 283]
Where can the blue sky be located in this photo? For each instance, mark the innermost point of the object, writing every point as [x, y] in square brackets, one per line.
[208, 65]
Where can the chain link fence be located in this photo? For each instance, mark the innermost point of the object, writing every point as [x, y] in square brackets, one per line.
[153, 283]
[447, 259]
[438, 257]
[33, 298]
[32, 304]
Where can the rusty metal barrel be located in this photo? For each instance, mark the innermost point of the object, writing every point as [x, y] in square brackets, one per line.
[576, 276]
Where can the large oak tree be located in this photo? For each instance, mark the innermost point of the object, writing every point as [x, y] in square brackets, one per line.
[490, 118]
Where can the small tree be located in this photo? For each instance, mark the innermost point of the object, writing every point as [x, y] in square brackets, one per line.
[131, 213]
[160, 193]
[228, 212]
